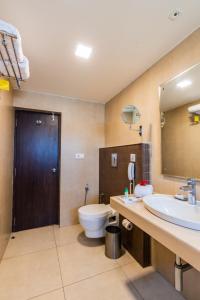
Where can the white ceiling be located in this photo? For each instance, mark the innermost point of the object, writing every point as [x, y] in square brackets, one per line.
[127, 37]
[173, 96]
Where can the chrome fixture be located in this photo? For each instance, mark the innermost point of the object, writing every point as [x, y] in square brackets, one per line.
[180, 268]
[101, 198]
[6, 57]
[53, 116]
[162, 119]
[86, 193]
[38, 122]
[191, 189]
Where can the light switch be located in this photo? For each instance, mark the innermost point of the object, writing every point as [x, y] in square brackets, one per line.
[79, 155]
[133, 157]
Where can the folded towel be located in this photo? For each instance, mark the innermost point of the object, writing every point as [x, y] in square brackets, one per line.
[143, 190]
[24, 68]
[8, 28]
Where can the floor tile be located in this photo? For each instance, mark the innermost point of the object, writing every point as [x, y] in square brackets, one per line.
[29, 241]
[67, 235]
[87, 274]
[150, 284]
[79, 262]
[106, 286]
[55, 295]
[29, 275]
[125, 259]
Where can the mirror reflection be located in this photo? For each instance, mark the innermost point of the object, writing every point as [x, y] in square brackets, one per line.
[180, 124]
[130, 115]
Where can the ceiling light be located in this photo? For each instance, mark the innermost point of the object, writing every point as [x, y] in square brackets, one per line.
[83, 51]
[184, 83]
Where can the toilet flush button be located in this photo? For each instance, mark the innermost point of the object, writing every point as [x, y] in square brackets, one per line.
[79, 155]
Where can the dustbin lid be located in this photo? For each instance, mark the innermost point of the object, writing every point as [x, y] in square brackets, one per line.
[113, 229]
[96, 210]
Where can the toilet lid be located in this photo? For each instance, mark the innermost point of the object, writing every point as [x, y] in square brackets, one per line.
[94, 210]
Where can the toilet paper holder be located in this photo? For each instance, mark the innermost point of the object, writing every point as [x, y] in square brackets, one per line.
[127, 224]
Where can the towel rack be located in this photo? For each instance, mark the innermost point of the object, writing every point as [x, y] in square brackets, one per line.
[6, 57]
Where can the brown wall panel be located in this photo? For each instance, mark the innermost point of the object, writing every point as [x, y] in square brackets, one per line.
[113, 180]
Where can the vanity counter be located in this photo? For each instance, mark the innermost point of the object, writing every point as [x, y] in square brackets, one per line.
[180, 240]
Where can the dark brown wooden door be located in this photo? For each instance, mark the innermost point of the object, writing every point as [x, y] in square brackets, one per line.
[36, 170]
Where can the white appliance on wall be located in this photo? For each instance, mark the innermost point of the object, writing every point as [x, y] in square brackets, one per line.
[131, 176]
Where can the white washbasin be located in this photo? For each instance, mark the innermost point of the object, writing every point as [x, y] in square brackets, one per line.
[174, 211]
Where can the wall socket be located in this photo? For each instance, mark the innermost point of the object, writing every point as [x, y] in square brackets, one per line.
[133, 157]
[79, 155]
[114, 160]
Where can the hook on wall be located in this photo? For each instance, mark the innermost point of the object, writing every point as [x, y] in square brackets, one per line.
[139, 129]
[53, 116]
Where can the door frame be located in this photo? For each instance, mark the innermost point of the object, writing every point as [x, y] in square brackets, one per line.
[16, 109]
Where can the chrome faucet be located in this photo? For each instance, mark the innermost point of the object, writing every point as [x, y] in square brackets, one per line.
[191, 189]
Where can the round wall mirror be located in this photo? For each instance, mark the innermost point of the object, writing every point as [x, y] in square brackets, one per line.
[130, 115]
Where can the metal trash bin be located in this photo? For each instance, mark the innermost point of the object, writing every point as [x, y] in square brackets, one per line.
[113, 242]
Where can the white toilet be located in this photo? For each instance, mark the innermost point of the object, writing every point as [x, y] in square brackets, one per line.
[95, 217]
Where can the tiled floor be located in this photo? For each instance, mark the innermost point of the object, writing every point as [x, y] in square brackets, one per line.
[53, 263]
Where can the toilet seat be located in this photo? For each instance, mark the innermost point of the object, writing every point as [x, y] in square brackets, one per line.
[94, 210]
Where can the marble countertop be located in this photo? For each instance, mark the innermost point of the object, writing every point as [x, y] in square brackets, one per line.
[182, 241]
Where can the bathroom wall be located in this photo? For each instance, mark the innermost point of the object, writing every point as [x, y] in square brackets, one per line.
[82, 131]
[144, 93]
[6, 167]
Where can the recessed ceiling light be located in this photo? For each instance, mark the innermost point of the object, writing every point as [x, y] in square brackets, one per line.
[83, 51]
[174, 14]
[184, 83]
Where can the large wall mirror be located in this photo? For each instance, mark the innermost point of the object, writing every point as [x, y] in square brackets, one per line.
[180, 124]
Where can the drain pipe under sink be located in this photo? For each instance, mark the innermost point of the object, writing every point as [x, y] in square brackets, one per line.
[179, 270]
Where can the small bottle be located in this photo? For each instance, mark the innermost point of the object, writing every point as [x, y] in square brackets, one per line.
[126, 194]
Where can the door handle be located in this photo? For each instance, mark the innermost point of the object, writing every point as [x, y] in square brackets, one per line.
[54, 170]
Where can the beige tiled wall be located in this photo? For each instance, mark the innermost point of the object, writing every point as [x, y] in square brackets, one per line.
[82, 131]
[144, 93]
[6, 167]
